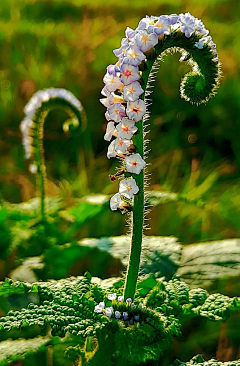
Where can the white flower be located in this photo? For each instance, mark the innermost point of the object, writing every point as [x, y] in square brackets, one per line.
[112, 82]
[134, 163]
[120, 298]
[115, 202]
[109, 131]
[162, 26]
[133, 55]
[128, 187]
[136, 110]
[120, 52]
[109, 311]
[200, 27]
[132, 91]
[112, 296]
[25, 126]
[121, 145]
[107, 116]
[129, 74]
[111, 153]
[126, 129]
[45, 96]
[116, 112]
[33, 168]
[145, 22]
[187, 24]
[130, 33]
[146, 41]
[99, 308]
[111, 99]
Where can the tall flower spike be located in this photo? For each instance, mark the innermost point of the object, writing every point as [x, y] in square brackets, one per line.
[32, 126]
[139, 58]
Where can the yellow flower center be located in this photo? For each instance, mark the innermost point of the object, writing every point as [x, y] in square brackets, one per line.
[145, 38]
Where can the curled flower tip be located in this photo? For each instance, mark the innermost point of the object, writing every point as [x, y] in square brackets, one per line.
[129, 300]
[120, 298]
[133, 306]
[117, 314]
[134, 163]
[187, 24]
[112, 296]
[125, 315]
[109, 311]
[128, 187]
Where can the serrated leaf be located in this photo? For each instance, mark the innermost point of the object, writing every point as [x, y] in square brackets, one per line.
[204, 263]
[11, 351]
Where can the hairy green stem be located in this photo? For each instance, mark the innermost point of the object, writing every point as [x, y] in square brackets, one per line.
[197, 87]
[77, 117]
[39, 156]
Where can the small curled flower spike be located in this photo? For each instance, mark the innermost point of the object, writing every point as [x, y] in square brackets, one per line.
[127, 88]
[32, 125]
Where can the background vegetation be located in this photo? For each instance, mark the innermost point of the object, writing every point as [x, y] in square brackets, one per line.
[195, 151]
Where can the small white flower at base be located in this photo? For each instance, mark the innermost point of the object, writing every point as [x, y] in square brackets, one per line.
[132, 91]
[109, 131]
[111, 153]
[128, 187]
[112, 296]
[126, 129]
[33, 168]
[115, 202]
[109, 311]
[136, 110]
[134, 163]
[99, 308]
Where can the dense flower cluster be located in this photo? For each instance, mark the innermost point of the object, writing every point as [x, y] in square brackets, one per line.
[124, 95]
[42, 96]
[129, 312]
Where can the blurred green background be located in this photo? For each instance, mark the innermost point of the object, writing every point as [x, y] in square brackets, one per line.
[68, 44]
[194, 157]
